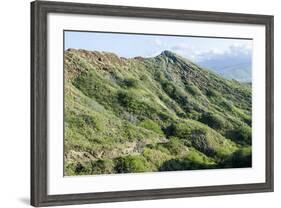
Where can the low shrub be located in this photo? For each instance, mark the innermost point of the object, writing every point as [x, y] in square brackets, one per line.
[130, 82]
[128, 100]
[156, 157]
[239, 159]
[78, 169]
[242, 134]
[104, 166]
[175, 146]
[192, 89]
[212, 120]
[182, 164]
[212, 93]
[132, 164]
[151, 125]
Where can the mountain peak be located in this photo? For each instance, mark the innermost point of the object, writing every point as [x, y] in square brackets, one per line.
[168, 53]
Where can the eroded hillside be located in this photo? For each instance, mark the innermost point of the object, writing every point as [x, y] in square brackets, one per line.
[151, 114]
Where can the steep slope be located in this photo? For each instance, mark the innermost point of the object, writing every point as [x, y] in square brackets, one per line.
[151, 114]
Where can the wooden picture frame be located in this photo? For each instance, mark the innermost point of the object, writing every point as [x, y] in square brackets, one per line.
[39, 102]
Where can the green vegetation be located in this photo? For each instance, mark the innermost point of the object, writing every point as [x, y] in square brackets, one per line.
[151, 125]
[240, 158]
[152, 114]
[132, 164]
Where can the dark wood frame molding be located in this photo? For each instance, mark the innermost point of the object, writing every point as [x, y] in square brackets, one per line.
[39, 12]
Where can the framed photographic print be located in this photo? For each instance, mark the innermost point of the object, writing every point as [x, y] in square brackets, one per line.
[131, 103]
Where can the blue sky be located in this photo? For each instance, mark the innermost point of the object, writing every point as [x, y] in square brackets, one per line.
[196, 49]
[232, 58]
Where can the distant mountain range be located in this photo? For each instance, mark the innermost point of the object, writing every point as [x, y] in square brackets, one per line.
[237, 67]
[164, 113]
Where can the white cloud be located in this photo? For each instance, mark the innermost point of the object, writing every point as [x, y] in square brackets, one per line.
[194, 54]
[201, 54]
[185, 50]
[234, 50]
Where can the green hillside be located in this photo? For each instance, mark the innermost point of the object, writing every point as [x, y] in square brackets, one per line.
[151, 114]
